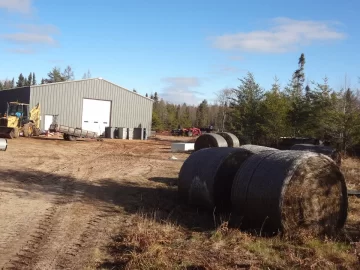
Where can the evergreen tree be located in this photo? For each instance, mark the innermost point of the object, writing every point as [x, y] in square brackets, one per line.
[274, 111]
[185, 120]
[55, 75]
[202, 114]
[33, 79]
[29, 79]
[1, 86]
[146, 95]
[21, 81]
[246, 106]
[156, 122]
[349, 120]
[298, 114]
[156, 97]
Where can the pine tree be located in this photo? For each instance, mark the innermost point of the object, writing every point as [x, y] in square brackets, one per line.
[1, 86]
[29, 79]
[298, 113]
[33, 79]
[202, 114]
[156, 97]
[245, 115]
[185, 120]
[156, 122]
[55, 75]
[349, 120]
[21, 81]
[274, 111]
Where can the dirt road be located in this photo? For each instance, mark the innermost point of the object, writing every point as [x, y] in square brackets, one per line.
[60, 201]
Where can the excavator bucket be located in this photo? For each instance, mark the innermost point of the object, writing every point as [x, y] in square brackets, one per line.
[7, 132]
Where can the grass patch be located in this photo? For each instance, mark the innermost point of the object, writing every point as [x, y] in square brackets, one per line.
[145, 243]
[155, 241]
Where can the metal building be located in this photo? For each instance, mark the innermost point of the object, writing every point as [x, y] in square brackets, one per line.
[91, 104]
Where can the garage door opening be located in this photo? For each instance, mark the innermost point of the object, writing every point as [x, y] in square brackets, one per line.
[96, 115]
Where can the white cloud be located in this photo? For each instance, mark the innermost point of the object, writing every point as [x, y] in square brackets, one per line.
[27, 35]
[236, 58]
[21, 51]
[285, 35]
[183, 81]
[21, 6]
[30, 38]
[179, 90]
[37, 28]
[33, 34]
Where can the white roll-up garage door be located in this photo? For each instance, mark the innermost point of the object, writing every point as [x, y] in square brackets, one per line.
[96, 115]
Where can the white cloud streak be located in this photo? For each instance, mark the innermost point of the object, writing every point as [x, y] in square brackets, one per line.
[285, 35]
[20, 6]
[21, 51]
[179, 90]
[33, 34]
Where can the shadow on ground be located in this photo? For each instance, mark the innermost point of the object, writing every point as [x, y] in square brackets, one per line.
[132, 197]
[161, 198]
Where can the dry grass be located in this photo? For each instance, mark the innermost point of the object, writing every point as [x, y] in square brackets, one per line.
[147, 244]
[351, 169]
[145, 241]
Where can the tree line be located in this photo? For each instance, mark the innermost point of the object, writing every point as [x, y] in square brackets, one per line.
[310, 110]
[54, 75]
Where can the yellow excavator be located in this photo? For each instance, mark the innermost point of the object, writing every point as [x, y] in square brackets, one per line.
[19, 119]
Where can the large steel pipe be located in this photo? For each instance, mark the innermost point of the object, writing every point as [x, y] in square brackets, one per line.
[3, 144]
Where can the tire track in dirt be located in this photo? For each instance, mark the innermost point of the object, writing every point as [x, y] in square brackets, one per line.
[79, 212]
[23, 253]
[68, 223]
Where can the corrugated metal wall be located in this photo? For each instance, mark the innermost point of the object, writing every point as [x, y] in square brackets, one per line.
[128, 109]
[17, 94]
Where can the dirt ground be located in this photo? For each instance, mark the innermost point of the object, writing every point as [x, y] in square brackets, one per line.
[77, 205]
[60, 200]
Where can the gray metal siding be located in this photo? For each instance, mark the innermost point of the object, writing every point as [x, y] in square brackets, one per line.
[128, 109]
[21, 95]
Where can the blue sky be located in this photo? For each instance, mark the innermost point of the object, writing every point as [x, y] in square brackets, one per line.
[185, 50]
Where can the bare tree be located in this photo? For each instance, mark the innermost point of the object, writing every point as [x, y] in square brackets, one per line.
[223, 98]
[87, 75]
[68, 74]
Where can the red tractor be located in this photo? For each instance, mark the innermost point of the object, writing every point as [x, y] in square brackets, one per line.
[190, 132]
[193, 132]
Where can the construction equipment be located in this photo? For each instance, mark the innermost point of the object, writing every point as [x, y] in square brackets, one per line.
[19, 119]
[189, 132]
